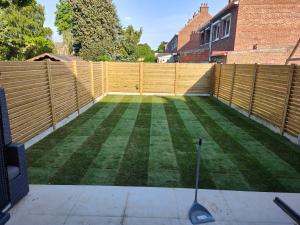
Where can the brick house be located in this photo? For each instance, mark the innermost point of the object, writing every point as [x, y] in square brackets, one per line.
[189, 36]
[172, 45]
[244, 31]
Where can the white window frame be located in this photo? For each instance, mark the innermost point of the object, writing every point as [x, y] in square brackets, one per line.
[202, 32]
[216, 37]
[226, 18]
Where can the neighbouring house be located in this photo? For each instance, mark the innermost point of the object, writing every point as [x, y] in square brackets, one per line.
[189, 37]
[246, 31]
[172, 45]
[165, 57]
[55, 57]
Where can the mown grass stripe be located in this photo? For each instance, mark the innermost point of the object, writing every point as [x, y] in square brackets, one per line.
[40, 149]
[269, 160]
[104, 167]
[76, 166]
[56, 156]
[286, 150]
[133, 170]
[247, 164]
[275, 164]
[217, 169]
[162, 167]
[185, 149]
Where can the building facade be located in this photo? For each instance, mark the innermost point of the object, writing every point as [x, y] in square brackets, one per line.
[244, 31]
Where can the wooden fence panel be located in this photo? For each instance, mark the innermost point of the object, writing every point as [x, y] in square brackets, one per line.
[242, 86]
[84, 83]
[64, 89]
[98, 73]
[159, 78]
[123, 77]
[217, 72]
[225, 82]
[28, 98]
[270, 93]
[194, 78]
[292, 125]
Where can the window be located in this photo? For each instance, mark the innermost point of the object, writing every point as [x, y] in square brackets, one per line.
[216, 31]
[226, 25]
[207, 38]
[202, 38]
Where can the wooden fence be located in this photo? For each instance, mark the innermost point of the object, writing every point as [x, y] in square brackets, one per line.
[42, 94]
[270, 93]
[151, 78]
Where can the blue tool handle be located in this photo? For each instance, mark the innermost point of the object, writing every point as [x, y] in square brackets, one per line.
[198, 168]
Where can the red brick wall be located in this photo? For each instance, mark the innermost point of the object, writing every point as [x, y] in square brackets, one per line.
[227, 44]
[188, 37]
[269, 24]
[194, 57]
[265, 56]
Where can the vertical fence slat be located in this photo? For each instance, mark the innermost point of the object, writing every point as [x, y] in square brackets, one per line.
[219, 82]
[106, 77]
[76, 84]
[287, 99]
[102, 78]
[252, 89]
[232, 84]
[92, 80]
[51, 92]
[141, 78]
[176, 80]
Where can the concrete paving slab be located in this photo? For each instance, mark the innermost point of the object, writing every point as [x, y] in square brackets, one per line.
[97, 205]
[249, 207]
[152, 202]
[89, 220]
[103, 201]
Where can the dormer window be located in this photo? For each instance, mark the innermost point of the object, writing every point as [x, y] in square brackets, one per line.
[216, 31]
[226, 21]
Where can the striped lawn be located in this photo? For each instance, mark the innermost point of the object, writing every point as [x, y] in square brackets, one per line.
[152, 141]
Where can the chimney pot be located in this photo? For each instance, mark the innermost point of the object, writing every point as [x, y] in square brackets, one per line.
[204, 8]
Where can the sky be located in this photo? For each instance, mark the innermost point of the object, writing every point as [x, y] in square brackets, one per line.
[160, 19]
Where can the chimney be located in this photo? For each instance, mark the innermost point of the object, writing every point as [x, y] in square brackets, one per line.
[204, 8]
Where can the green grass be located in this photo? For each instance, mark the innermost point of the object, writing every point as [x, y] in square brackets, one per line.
[152, 141]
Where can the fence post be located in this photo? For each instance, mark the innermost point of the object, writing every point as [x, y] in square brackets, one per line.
[106, 77]
[219, 81]
[92, 80]
[102, 78]
[287, 99]
[76, 84]
[176, 78]
[141, 80]
[51, 93]
[232, 84]
[252, 89]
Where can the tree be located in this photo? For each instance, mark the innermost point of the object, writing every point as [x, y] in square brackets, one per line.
[95, 28]
[161, 47]
[22, 32]
[63, 22]
[144, 50]
[20, 3]
[130, 39]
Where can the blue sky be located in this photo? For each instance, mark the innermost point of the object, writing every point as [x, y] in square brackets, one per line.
[160, 19]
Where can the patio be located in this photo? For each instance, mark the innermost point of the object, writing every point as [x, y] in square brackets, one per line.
[151, 141]
[83, 205]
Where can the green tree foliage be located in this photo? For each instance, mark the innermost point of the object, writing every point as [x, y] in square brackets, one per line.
[96, 29]
[22, 34]
[20, 3]
[161, 47]
[128, 49]
[144, 50]
[64, 21]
